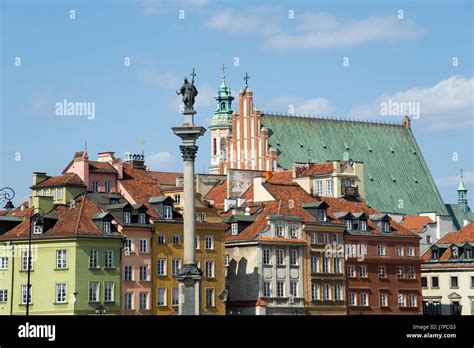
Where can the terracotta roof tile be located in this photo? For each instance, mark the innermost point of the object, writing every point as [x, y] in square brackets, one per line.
[166, 178]
[101, 167]
[68, 179]
[314, 169]
[416, 223]
[217, 194]
[465, 234]
[285, 176]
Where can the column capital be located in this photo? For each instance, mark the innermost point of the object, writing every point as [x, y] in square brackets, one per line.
[189, 152]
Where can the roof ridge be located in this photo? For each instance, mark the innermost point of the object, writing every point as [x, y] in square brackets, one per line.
[334, 118]
[80, 214]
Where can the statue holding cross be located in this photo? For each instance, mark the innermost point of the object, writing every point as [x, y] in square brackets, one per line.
[189, 93]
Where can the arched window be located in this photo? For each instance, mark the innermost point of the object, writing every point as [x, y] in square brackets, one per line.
[214, 147]
[223, 106]
[222, 145]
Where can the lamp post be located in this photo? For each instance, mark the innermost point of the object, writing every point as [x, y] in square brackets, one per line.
[100, 310]
[8, 194]
[36, 221]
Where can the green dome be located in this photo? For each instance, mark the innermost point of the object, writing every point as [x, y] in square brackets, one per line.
[223, 113]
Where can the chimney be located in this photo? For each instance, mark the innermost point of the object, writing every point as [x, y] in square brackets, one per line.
[136, 160]
[44, 203]
[38, 177]
[406, 122]
[107, 156]
[81, 167]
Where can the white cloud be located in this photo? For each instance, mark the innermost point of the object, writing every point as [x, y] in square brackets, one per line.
[447, 105]
[453, 181]
[300, 106]
[163, 161]
[156, 7]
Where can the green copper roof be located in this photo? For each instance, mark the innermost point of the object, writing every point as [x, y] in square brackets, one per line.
[461, 186]
[394, 168]
[223, 116]
[458, 214]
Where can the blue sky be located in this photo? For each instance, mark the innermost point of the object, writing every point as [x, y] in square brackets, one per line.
[294, 58]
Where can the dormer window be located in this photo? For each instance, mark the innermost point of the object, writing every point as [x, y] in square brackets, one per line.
[127, 217]
[348, 223]
[168, 212]
[294, 232]
[234, 228]
[279, 231]
[142, 218]
[434, 254]
[455, 252]
[114, 201]
[107, 227]
[177, 198]
[468, 253]
[37, 228]
[322, 215]
[363, 225]
[385, 226]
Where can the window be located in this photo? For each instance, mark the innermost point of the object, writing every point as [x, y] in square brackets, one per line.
[94, 259]
[294, 289]
[326, 292]
[142, 218]
[382, 273]
[161, 296]
[364, 299]
[293, 232]
[428, 239]
[161, 238]
[319, 187]
[94, 292]
[109, 259]
[26, 296]
[400, 272]
[314, 238]
[363, 225]
[267, 292]
[381, 250]
[143, 273]
[175, 297]
[402, 300]
[351, 271]
[314, 264]
[210, 297]
[60, 193]
[107, 226]
[322, 215]
[472, 281]
[335, 238]
[325, 238]
[168, 212]
[61, 259]
[329, 187]
[468, 254]
[55, 192]
[424, 282]
[279, 231]
[267, 257]
[234, 228]
[385, 226]
[95, 186]
[3, 296]
[454, 282]
[410, 251]
[143, 245]
[434, 282]
[127, 246]
[26, 261]
[175, 265]
[383, 299]
[412, 300]
[196, 216]
[176, 239]
[209, 269]
[280, 257]
[128, 273]
[161, 267]
[37, 229]
[363, 271]
[280, 289]
[399, 250]
[411, 273]
[127, 217]
[3, 262]
[455, 252]
[348, 223]
[435, 254]
[222, 141]
[128, 300]
[143, 300]
[196, 242]
[337, 265]
[337, 292]
[108, 186]
[352, 299]
[109, 291]
[227, 260]
[294, 257]
[325, 263]
[209, 242]
[314, 291]
[203, 217]
[61, 291]
[177, 198]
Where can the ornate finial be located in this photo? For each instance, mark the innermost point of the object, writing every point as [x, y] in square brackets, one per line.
[223, 71]
[246, 78]
[461, 173]
[142, 143]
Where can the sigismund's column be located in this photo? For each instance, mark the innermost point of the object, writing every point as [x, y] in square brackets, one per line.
[189, 276]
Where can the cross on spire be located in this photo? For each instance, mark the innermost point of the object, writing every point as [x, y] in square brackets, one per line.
[223, 71]
[461, 173]
[142, 143]
[246, 78]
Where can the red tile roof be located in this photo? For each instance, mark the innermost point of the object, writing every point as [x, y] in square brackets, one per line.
[217, 194]
[416, 223]
[68, 179]
[285, 176]
[464, 235]
[314, 169]
[166, 178]
[101, 167]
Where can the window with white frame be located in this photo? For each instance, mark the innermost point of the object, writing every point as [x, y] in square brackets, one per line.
[161, 238]
[108, 187]
[402, 300]
[61, 293]
[382, 273]
[335, 238]
[25, 261]
[128, 300]
[127, 217]
[293, 232]
[326, 292]
[348, 223]
[175, 297]
[319, 187]
[329, 187]
[381, 251]
[294, 289]
[128, 273]
[143, 273]
[399, 250]
[203, 217]
[61, 259]
[109, 291]
[352, 299]
[168, 212]
[280, 257]
[3, 262]
[60, 193]
[107, 228]
[385, 226]
[161, 267]
[234, 228]
[267, 291]
[411, 272]
[337, 292]
[325, 264]
[280, 289]
[127, 246]
[337, 265]
[37, 228]
[109, 259]
[400, 272]
[351, 271]
[93, 259]
[209, 242]
[3, 295]
[279, 231]
[383, 299]
[94, 292]
[314, 238]
[314, 291]
[196, 242]
[161, 297]
[142, 218]
[143, 245]
[364, 299]
[410, 251]
[95, 186]
[363, 225]
[363, 271]
[210, 301]
[175, 266]
[267, 257]
[55, 193]
[322, 215]
[26, 296]
[325, 238]
[209, 269]
[143, 298]
[412, 300]
[177, 198]
[294, 257]
[176, 239]
[196, 216]
[314, 264]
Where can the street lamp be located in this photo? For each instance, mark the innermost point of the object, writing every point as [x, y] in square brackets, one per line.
[8, 194]
[36, 221]
[100, 310]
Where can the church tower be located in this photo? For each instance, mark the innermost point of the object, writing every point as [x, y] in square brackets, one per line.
[462, 196]
[221, 127]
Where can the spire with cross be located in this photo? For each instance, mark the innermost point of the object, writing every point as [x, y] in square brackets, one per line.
[246, 78]
[223, 71]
